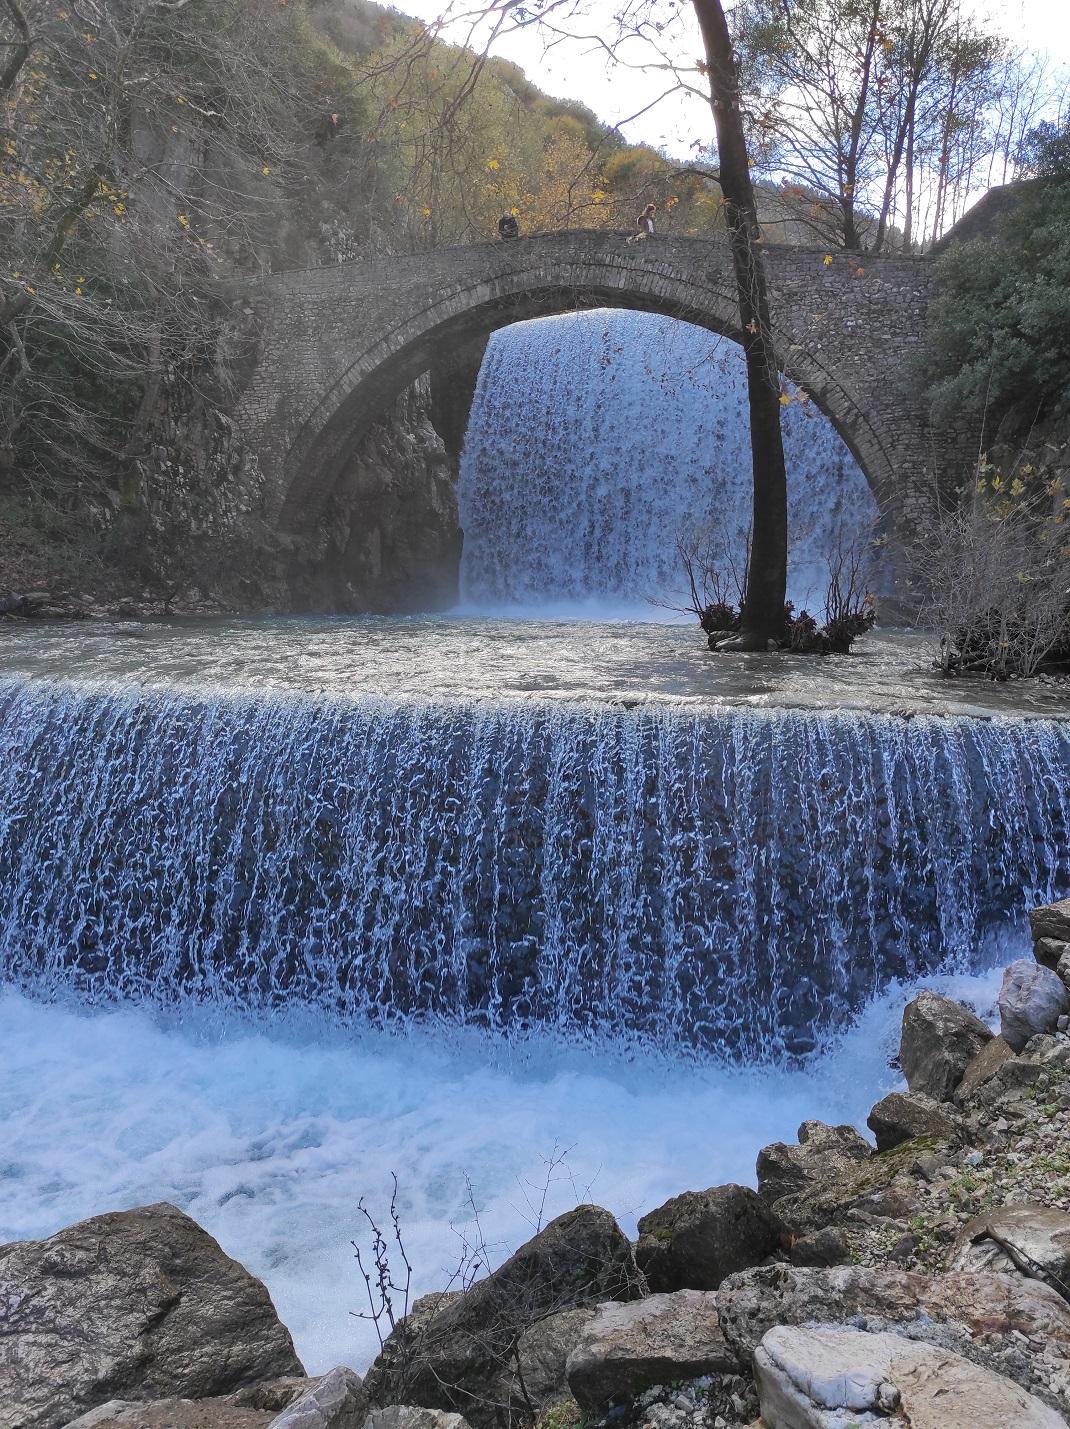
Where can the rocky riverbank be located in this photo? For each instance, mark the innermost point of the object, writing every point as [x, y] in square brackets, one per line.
[923, 1282]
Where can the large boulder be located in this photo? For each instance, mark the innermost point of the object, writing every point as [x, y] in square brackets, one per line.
[693, 1241]
[1051, 920]
[828, 1378]
[660, 1340]
[458, 1358]
[823, 1152]
[939, 1040]
[133, 1305]
[901, 1116]
[1031, 1001]
[1031, 1239]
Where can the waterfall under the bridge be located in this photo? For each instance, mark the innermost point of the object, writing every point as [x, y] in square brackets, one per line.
[597, 439]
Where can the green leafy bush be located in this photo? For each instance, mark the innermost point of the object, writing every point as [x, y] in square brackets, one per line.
[1000, 326]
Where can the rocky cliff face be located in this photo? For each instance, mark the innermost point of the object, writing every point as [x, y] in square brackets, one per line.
[389, 539]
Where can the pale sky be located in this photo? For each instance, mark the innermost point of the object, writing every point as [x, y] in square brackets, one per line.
[579, 70]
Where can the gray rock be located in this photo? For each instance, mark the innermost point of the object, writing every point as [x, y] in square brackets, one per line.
[823, 1152]
[1051, 920]
[939, 1040]
[827, 1378]
[139, 1304]
[411, 1416]
[335, 1401]
[660, 1340]
[1063, 967]
[983, 1068]
[1031, 1001]
[901, 1116]
[694, 1240]
[456, 1358]
[983, 1310]
[1031, 1239]
[1050, 951]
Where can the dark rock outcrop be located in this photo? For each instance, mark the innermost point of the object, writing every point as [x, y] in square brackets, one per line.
[133, 1305]
[939, 1040]
[823, 1151]
[1051, 920]
[693, 1241]
[456, 1358]
[983, 1068]
[901, 1116]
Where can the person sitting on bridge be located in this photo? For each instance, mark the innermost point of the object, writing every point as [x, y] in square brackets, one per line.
[508, 226]
[644, 224]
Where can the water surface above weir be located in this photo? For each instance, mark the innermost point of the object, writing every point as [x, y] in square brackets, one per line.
[474, 657]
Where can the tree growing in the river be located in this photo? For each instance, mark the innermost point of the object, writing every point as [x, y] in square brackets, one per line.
[767, 568]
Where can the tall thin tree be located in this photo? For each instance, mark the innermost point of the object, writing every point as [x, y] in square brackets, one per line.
[763, 604]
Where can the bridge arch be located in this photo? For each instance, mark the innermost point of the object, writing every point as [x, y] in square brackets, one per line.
[553, 274]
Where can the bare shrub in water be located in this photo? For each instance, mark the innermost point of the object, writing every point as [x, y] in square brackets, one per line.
[716, 579]
[993, 575]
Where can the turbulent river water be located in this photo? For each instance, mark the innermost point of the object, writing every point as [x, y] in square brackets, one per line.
[287, 905]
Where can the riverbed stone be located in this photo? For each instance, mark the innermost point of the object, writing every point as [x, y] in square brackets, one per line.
[939, 1040]
[412, 1416]
[335, 1400]
[139, 1304]
[1031, 1000]
[829, 1377]
[1051, 920]
[695, 1239]
[1032, 1239]
[662, 1339]
[455, 1359]
[900, 1116]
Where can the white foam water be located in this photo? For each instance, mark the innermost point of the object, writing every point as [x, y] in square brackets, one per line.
[597, 438]
[269, 1136]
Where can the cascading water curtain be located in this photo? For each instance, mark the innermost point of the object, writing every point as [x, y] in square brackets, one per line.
[733, 882]
[596, 439]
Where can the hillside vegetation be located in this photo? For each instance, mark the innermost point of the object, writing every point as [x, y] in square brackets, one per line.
[148, 151]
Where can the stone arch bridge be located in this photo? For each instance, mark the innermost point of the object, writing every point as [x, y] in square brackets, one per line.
[336, 346]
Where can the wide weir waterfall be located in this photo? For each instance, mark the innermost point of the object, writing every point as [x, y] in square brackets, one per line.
[598, 439]
[734, 883]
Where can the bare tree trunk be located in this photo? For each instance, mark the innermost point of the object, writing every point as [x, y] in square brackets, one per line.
[763, 604]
